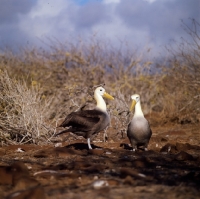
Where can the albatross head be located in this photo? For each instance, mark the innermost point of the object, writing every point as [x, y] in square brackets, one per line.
[136, 103]
[101, 91]
[98, 94]
[135, 99]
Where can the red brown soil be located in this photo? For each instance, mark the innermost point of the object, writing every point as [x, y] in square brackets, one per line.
[170, 169]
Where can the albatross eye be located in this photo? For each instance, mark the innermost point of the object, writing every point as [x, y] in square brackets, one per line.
[100, 89]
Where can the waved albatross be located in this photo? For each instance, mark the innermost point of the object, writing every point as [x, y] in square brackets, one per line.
[138, 132]
[88, 122]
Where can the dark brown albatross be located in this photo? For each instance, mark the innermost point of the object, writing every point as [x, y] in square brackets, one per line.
[88, 122]
[139, 131]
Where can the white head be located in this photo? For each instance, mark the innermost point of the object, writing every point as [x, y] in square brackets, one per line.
[135, 99]
[98, 94]
[101, 91]
[136, 104]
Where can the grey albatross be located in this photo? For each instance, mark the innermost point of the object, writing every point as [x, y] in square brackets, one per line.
[89, 122]
[139, 131]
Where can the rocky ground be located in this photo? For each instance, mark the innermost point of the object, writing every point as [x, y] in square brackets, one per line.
[67, 169]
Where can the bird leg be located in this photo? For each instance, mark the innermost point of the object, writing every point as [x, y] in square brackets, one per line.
[145, 147]
[105, 135]
[89, 145]
[134, 145]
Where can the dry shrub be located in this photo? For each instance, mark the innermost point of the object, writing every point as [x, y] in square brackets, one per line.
[23, 111]
[182, 80]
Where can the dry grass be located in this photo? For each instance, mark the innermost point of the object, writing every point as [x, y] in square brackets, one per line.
[33, 97]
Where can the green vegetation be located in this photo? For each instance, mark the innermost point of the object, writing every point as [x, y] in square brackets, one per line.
[38, 88]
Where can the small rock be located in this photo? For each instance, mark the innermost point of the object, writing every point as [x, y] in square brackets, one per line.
[99, 184]
[183, 147]
[20, 150]
[168, 148]
[183, 156]
[58, 144]
[129, 180]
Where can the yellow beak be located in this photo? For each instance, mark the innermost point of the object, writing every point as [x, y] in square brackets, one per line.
[106, 95]
[133, 105]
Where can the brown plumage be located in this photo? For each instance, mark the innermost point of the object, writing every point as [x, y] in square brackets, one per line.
[139, 131]
[89, 122]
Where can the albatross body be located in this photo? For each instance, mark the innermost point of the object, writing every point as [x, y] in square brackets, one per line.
[89, 122]
[139, 131]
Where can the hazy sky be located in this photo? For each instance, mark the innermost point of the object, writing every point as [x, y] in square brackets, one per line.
[141, 23]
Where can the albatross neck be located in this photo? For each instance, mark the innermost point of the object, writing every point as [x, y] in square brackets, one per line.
[101, 105]
[138, 110]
